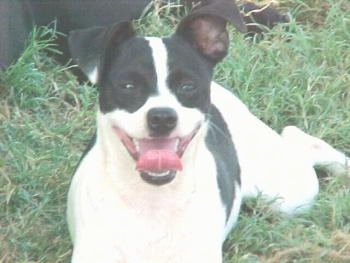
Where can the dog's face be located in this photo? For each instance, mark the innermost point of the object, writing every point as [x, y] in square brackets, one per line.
[154, 93]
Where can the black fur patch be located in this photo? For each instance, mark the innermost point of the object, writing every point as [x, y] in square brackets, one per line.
[129, 78]
[219, 143]
[87, 149]
[189, 74]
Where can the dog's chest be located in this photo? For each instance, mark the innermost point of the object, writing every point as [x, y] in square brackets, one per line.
[143, 226]
[180, 235]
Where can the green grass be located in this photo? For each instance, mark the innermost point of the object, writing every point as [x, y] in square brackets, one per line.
[298, 77]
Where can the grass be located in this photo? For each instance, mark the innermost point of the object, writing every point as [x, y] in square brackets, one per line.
[300, 77]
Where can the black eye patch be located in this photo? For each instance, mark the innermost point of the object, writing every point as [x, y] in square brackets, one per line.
[128, 92]
[130, 78]
[189, 75]
[190, 90]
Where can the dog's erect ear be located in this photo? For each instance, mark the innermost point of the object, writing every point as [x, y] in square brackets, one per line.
[205, 27]
[88, 47]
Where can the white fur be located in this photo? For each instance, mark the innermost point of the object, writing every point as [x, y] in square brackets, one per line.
[234, 212]
[93, 75]
[160, 58]
[275, 166]
[322, 154]
[136, 124]
[268, 165]
[112, 209]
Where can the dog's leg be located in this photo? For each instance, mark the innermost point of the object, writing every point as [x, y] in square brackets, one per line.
[322, 155]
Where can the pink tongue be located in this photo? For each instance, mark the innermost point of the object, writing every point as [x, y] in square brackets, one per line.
[159, 160]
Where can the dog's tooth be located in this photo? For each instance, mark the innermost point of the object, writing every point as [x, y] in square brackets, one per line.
[158, 174]
[177, 143]
[137, 146]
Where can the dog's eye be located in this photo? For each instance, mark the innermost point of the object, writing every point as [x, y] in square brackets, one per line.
[128, 86]
[187, 87]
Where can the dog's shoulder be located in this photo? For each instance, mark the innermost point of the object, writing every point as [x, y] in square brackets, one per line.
[220, 143]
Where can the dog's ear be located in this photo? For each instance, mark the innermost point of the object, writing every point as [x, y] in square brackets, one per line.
[88, 47]
[205, 27]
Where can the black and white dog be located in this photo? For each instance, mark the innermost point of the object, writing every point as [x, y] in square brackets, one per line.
[175, 153]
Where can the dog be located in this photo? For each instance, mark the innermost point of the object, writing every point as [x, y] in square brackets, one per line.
[176, 153]
[18, 17]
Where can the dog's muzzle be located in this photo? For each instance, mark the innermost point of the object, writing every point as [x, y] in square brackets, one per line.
[157, 159]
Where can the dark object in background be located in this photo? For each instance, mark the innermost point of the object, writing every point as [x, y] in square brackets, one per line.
[15, 25]
[17, 18]
[260, 19]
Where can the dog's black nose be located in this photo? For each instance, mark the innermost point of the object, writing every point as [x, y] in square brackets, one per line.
[161, 121]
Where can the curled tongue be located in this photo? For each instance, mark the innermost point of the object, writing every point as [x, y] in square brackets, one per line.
[159, 160]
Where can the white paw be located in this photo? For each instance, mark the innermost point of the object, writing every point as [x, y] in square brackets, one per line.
[321, 154]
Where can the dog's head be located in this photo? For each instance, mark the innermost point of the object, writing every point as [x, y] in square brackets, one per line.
[154, 93]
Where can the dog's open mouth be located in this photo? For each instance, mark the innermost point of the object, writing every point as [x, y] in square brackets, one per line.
[157, 159]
